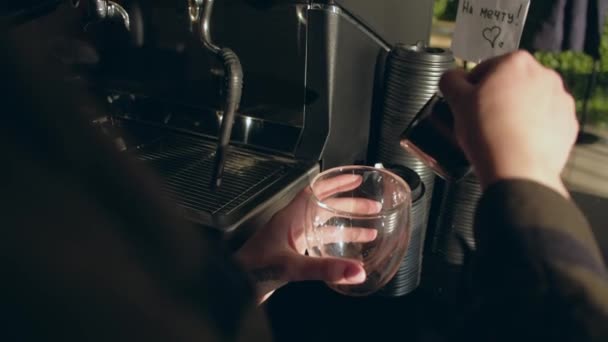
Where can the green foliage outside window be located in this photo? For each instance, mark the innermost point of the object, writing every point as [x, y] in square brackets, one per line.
[446, 9]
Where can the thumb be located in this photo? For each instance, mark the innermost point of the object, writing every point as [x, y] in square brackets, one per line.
[331, 270]
[456, 88]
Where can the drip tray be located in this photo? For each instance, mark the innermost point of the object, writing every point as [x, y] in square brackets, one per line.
[253, 182]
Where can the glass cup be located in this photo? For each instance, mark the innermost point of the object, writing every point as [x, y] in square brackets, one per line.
[360, 213]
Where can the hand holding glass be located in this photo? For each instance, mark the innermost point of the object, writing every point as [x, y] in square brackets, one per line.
[360, 213]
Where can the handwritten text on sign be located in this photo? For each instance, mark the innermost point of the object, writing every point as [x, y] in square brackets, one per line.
[488, 28]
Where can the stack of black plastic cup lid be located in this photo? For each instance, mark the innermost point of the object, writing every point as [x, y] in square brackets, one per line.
[454, 237]
[407, 277]
[412, 78]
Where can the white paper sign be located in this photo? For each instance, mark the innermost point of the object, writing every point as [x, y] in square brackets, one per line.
[488, 28]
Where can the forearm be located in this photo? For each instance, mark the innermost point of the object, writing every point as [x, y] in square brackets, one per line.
[538, 272]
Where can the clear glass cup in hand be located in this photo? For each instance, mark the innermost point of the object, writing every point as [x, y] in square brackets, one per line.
[360, 213]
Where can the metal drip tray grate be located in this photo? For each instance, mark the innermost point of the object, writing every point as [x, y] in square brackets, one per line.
[251, 178]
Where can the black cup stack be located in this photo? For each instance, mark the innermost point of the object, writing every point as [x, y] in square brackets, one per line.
[412, 78]
[454, 236]
[408, 276]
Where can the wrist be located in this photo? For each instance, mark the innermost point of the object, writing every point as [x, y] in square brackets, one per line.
[265, 276]
[549, 180]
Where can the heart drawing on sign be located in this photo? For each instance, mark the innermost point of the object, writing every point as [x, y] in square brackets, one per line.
[491, 34]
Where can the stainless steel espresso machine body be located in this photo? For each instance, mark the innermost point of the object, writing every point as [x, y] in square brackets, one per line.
[310, 72]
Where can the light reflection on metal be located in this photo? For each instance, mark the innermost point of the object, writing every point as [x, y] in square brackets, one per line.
[105, 9]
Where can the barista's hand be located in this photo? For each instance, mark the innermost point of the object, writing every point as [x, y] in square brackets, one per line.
[514, 119]
[274, 256]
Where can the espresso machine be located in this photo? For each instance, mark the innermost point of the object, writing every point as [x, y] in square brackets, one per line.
[235, 104]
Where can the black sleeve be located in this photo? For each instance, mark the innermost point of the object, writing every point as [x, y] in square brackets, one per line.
[538, 274]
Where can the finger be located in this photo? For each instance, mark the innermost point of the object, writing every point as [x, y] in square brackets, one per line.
[487, 67]
[331, 270]
[331, 186]
[326, 188]
[456, 87]
[482, 70]
[294, 211]
[492, 65]
[350, 206]
[357, 206]
[332, 234]
[457, 83]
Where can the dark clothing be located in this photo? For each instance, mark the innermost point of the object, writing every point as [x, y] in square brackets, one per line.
[89, 252]
[539, 275]
[561, 25]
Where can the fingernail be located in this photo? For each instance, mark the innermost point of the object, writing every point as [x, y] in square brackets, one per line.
[354, 274]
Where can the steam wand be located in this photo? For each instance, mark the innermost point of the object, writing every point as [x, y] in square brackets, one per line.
[200, 16]
[106, 9]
